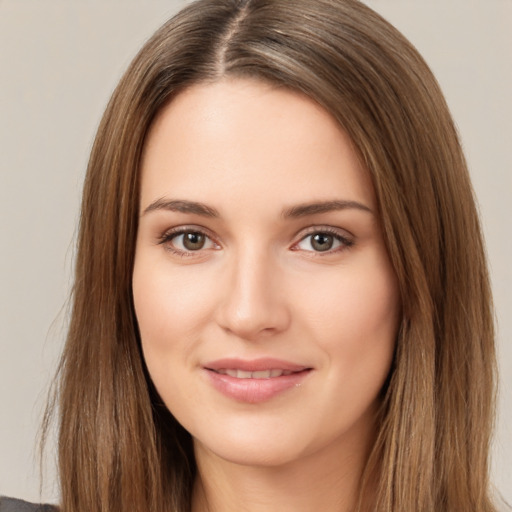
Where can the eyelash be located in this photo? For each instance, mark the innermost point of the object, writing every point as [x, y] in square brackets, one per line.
[168, 236]
[345, 242]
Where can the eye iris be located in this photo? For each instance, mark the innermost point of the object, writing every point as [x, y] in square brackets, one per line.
[193, 241]
[322, 241]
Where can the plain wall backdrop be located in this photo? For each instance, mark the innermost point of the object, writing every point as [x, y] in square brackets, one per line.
[59, 62]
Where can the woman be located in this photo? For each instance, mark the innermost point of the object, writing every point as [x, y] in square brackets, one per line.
[276, 302]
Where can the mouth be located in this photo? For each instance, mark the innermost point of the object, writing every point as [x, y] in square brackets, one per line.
[257, 380]
[260, 374]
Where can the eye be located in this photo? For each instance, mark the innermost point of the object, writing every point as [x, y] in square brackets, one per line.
[185, 241]
[323, 241]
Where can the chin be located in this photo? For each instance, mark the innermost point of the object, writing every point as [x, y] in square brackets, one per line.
[266, 441]
[261, 453]
[251, 441]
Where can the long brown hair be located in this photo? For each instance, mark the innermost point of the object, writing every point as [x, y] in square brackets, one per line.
[119, 447]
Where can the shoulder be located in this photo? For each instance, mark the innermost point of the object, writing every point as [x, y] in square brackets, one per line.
[13, 505]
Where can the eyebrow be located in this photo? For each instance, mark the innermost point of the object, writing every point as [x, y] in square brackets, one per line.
[297, 211]
[303, 210]
[182, 206]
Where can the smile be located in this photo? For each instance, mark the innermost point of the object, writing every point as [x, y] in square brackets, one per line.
[262, 374]
[257, 380]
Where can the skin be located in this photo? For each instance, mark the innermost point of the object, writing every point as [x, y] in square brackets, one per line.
[259, 287]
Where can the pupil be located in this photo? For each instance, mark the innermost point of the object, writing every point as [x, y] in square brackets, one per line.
[322, 242]
[193, 241]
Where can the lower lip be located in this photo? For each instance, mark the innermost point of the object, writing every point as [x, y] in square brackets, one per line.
[255, 390]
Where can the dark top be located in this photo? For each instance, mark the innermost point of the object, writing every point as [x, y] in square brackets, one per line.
[12, 505]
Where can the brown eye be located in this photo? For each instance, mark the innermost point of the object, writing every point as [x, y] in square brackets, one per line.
[193, 241]
[322, 242]
[187, 241]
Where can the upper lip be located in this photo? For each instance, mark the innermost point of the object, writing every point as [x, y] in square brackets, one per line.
[255, 365]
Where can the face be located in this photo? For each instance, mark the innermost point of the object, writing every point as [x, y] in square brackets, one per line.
[265, 299]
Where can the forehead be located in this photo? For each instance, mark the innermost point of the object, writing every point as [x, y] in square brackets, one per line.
[252, 139]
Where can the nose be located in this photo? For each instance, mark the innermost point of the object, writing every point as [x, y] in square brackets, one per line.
[254, 304]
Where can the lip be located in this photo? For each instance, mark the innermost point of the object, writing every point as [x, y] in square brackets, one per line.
[255, 390]
[254, 365]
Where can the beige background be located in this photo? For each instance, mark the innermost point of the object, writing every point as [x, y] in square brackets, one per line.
[59, 61]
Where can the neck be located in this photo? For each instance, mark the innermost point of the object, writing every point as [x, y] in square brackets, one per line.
[327, 480]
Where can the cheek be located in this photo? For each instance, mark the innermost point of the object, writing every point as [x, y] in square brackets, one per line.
[352, 303]
[171, 310]
[355, 325]
[167, 321]
[169, 303]
[353, 315]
